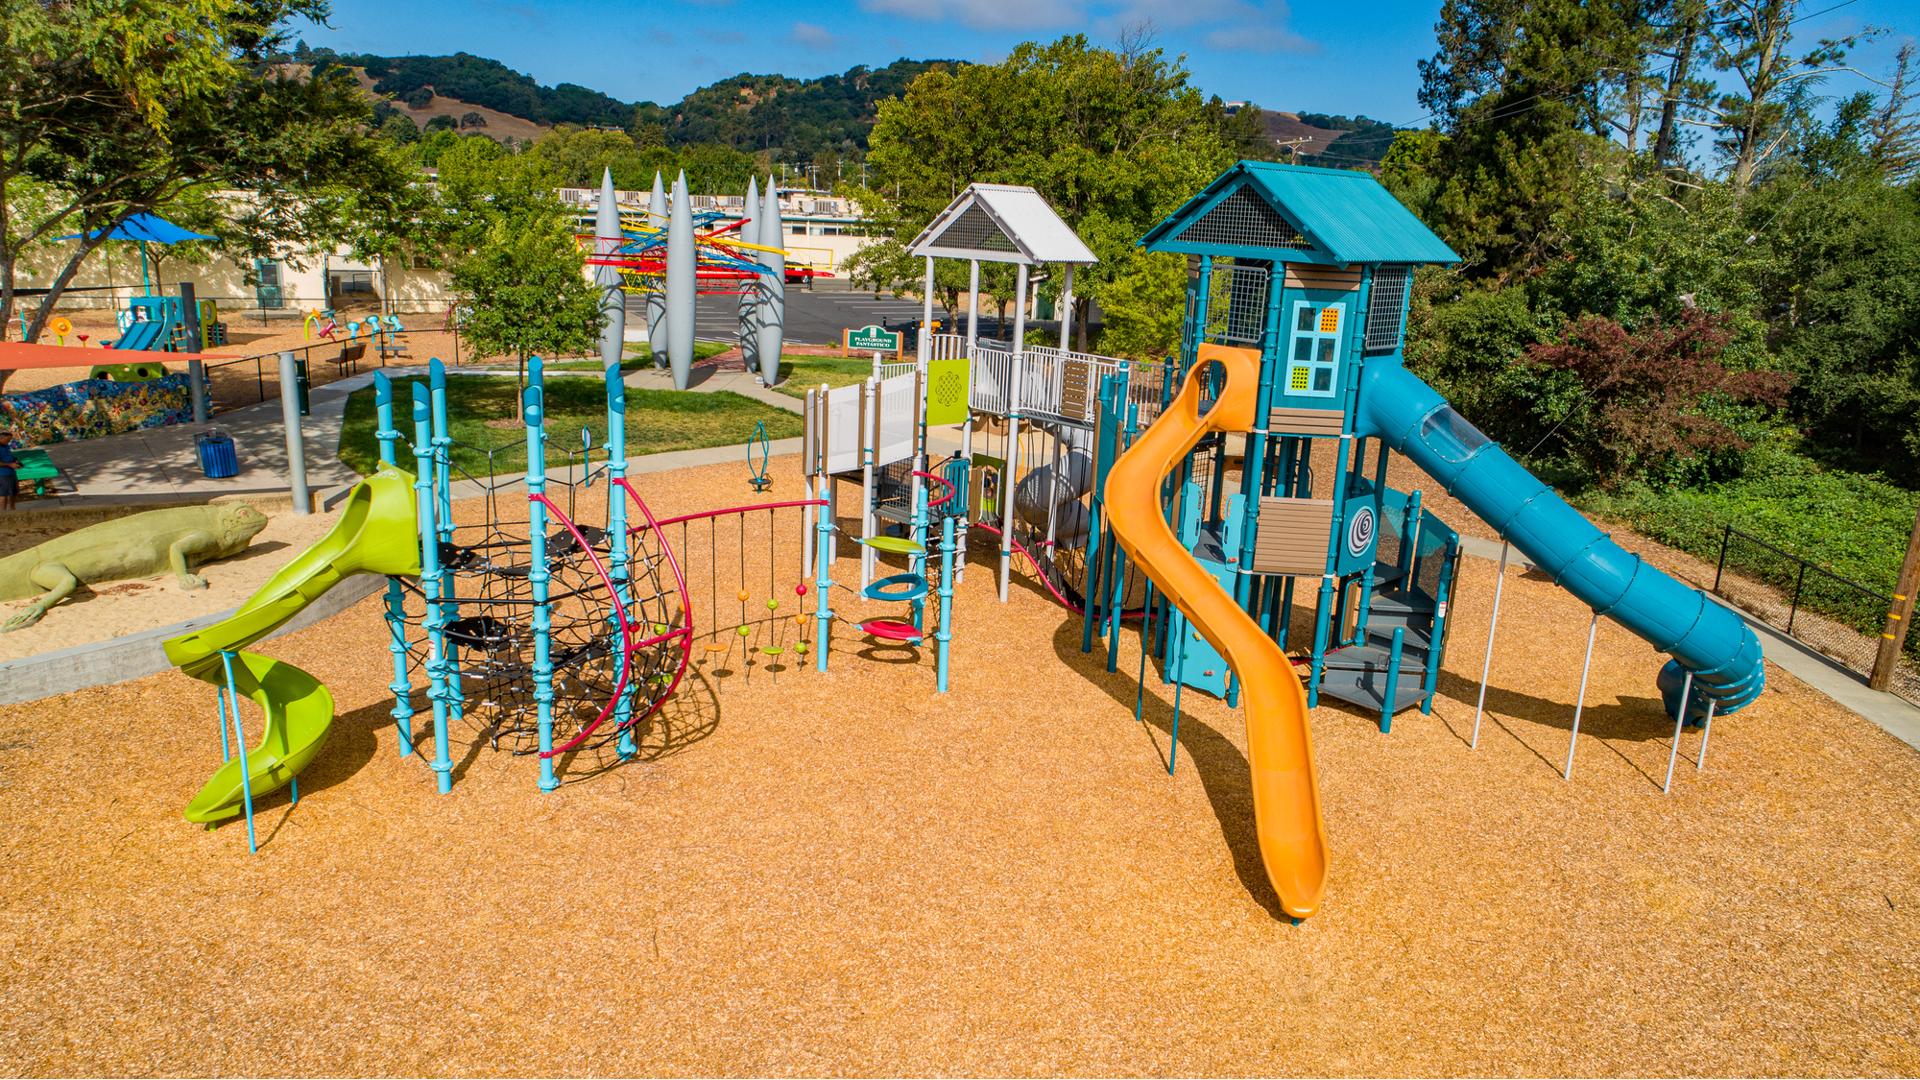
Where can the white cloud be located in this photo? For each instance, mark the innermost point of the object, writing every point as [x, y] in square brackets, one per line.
[812, 36]
[986, 14]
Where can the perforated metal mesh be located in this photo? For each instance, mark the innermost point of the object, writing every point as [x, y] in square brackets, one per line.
[1237, 303]
[974, 229]
[1383, 308]
[1245, 220]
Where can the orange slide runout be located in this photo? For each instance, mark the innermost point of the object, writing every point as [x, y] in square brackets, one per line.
[1286, 793]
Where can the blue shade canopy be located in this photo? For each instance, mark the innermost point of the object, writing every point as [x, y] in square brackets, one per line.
[146, 228]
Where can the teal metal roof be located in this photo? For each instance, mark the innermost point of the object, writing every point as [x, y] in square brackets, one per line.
[1347, 216]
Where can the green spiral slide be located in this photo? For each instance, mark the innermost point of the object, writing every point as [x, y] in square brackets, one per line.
[376, 534]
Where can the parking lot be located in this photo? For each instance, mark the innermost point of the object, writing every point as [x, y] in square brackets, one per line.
[815, 316]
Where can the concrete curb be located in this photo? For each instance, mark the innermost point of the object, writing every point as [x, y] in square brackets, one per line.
[101, 663]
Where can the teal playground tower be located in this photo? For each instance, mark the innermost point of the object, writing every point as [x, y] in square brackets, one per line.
[1311, 269]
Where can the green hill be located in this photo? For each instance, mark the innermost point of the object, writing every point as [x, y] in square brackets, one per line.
[794, 118]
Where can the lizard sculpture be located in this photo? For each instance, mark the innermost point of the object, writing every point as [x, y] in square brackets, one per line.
[138, 546]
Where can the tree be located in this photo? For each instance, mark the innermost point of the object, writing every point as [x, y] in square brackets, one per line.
[1659, 406]
[1749, 41]
[1115, 140]
[123, 106]
[1896, 127]
[517, 266]
[1527, 94]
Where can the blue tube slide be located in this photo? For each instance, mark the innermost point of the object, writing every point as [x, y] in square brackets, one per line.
[1703, 637]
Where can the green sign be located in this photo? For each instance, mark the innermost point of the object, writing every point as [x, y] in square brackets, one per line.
[872, 339]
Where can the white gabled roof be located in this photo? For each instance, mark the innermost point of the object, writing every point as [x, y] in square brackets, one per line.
[1001, 223]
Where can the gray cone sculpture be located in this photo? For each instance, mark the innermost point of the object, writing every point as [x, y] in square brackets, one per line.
[681, 284]
[613, 301]
[749, 233]
[657, 296]
[773, 287]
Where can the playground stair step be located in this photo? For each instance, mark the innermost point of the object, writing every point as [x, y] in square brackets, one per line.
[1376, 653]
[1367, 689]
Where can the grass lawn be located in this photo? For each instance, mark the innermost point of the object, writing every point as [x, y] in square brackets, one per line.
[799, 374]
[640, 356]
[657, 421]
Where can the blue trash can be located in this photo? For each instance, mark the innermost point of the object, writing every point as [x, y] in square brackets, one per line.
[218, 459]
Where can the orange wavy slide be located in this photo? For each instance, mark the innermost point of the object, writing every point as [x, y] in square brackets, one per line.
[1286, 793]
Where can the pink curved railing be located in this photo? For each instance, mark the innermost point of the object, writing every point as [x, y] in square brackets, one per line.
[1041, 573]
[685, 632]
[619, 614]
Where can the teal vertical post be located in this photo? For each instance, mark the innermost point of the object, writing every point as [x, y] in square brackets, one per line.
[1112, 398]
[443, 518]
[823, 574]
[1437, 638]
[1253, 480]
[432, 585]
[619, 546]
[944, 635]
[1392, 690]
[539, 575]
[1410, 542]
[442, 447]
[1117, 567]
[402, 685]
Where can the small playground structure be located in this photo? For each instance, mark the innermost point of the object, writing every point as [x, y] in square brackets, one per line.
[672, 254]
[524, 626]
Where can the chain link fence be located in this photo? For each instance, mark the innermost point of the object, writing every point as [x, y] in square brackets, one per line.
[1835, 616]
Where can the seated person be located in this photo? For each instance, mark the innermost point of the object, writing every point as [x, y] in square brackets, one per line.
[9, 475]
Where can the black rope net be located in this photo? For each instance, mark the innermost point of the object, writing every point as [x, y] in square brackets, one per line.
[489, 610]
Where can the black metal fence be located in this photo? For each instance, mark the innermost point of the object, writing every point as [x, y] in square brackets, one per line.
[250, 380]
[1833, 615]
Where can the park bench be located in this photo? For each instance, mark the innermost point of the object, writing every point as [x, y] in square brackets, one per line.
[349, 358]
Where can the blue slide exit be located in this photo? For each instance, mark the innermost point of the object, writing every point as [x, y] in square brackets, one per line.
[141, 335]
[1702, 636]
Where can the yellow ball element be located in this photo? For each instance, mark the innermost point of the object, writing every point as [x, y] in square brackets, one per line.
[745, 630]
[801, 618]
[771, 604]
[801, 648]
[743, 596]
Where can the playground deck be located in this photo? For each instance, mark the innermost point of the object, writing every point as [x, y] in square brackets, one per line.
[845, 873]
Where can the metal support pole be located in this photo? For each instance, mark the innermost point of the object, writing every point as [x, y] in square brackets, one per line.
[1706, 731]
[1679, 721]
[1486, 664]
[1580, 704]
[1066, 311]
[240, 741]
[925, 342]
[1009, 484]
[296, 439]
[869, 447]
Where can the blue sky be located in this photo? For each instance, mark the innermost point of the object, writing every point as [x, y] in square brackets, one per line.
[1351, 56]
